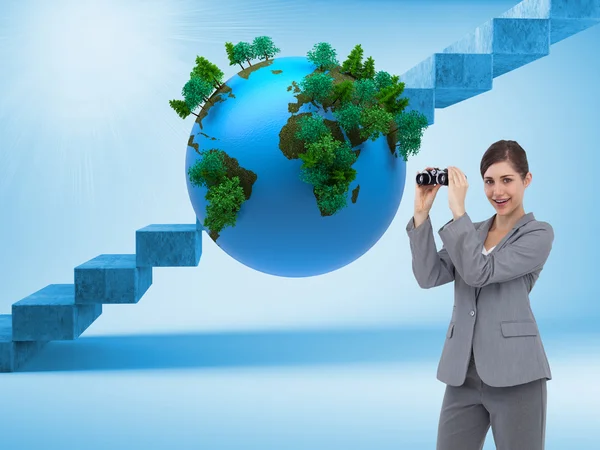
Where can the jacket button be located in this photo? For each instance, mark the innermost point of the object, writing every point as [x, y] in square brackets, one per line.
[472, 313]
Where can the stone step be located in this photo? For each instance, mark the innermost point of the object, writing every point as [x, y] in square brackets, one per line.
[512, 42]
[111, 279]
[51, 314]
[448, 78]
[567, 17]
[164, 245]
[521, 35]
[421, 100]
[14, 354]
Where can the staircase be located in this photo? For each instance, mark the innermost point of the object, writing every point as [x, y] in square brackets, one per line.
[61, 312]
[521, 35]
[461, 71]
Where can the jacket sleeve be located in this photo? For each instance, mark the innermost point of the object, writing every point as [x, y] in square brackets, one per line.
[430, 267]
[525, 255]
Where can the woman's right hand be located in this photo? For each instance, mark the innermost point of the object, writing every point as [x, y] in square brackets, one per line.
[424, 196]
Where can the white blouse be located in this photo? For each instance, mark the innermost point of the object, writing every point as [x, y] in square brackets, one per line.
[486, 252]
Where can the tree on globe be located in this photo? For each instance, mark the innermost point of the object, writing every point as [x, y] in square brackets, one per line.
[293, 164]
[323, 55]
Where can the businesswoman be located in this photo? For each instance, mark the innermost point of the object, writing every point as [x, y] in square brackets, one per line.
[493, 362]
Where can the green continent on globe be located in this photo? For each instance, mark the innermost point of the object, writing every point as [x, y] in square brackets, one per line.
[229, 185]
[351, 103]
[365, 107]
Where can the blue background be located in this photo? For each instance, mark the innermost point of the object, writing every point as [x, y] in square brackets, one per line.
[224, 357]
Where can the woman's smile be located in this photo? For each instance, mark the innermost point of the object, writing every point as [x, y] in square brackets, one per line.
[501, 205]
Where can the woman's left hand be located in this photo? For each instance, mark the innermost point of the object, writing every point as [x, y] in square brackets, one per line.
[457, 191]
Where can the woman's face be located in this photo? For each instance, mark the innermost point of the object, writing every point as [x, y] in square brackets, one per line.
[502, 182]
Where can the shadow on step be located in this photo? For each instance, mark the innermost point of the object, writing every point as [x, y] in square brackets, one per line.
[238, 349]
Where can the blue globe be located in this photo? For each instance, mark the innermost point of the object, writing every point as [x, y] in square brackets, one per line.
[280, 229]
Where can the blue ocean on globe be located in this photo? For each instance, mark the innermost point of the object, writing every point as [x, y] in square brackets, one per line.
[279, 229]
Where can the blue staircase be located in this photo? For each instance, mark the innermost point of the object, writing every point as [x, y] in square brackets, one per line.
[463, 70]
[521, 35]
[61, 312]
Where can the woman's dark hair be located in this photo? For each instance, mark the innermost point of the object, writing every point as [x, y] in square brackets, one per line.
[509, 151]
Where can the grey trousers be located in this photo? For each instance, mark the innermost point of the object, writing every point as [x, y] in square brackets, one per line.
[517, 415]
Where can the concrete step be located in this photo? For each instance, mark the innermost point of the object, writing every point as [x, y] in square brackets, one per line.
[512, 42]
[521, 35]
[111, 279]
[168, 246]
[449, 78]
[51, 314]
[421, 100]
[14, 354]
[567, 17]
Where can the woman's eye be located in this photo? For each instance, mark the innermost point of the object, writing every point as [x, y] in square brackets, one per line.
[490, 181]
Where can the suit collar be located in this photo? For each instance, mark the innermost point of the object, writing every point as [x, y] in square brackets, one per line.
[483, 231]
[485, 227]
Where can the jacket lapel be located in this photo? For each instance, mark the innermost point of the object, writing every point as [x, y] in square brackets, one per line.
[484, 228]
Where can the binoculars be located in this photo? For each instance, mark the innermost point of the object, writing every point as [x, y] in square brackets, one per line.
[433, 176]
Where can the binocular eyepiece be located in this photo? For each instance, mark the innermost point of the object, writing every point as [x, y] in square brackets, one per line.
[432, 177]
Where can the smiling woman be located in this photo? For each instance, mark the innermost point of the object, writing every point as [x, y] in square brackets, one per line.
[505, 172]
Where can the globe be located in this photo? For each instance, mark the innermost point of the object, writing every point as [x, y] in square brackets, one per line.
[280, 230]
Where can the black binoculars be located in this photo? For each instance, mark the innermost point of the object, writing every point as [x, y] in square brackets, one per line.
[433, 176]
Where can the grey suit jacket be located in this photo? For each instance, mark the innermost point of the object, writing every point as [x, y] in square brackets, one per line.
[492, 315]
